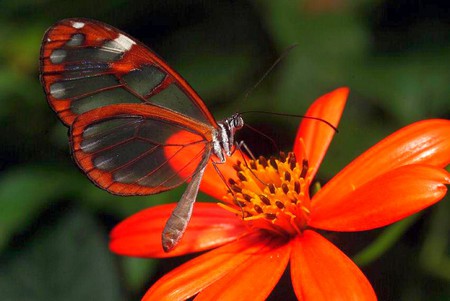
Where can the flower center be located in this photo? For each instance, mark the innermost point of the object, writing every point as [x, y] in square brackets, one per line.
[271, 194]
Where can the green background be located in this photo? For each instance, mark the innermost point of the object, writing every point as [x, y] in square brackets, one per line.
[394, 56]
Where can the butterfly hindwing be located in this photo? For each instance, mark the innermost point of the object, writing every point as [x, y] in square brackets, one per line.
[124, 148]
[87, 64]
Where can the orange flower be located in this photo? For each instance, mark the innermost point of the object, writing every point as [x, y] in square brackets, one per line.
[269, 218]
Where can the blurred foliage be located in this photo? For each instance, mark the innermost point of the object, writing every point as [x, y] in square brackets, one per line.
[394, 55]
[55, 264]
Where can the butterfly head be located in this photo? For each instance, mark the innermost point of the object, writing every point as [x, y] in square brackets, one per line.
[223, 141]
[236, 122]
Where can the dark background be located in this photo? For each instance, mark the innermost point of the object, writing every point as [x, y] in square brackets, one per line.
[394, 55]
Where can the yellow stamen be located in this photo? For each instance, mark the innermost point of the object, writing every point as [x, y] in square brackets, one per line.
[271, 193]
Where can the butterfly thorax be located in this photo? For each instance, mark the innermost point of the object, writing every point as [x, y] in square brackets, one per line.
[223, 137]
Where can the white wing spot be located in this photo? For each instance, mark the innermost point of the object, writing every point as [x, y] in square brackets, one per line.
[124, 41]
[78, 25]
[104, 163]
[57, 90]
[76, 40]
[58, 56]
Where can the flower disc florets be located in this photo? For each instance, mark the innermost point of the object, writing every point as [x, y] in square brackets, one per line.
[271, 194]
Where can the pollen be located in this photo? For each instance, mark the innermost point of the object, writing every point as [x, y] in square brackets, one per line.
[271, 194]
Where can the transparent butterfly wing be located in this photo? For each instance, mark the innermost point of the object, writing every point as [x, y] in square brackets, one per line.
[86, 64]
[124, 148]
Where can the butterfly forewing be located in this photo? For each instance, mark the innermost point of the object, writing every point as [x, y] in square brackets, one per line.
[86, 64]
[124, 148]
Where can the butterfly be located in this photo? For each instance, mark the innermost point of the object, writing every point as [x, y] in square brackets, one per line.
[122, 104]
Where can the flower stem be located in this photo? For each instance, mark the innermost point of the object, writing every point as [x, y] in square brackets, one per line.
[385, 241]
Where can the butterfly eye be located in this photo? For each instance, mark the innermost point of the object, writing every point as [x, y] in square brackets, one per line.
[238, 122]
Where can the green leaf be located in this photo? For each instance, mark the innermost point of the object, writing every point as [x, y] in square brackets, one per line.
[434, 255]
[24, 192]
[137, 271]
[385, 241]
[69, 260]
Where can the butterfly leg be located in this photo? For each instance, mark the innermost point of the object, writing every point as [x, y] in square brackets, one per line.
[226, 184]
[242, 145]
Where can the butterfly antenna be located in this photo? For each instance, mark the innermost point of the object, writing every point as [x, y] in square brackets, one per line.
[297, 116]
[274, 64]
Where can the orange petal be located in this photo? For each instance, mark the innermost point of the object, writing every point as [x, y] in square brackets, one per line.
[140, 234]
[197, 274]
[254, 279]
[317, 135]
[382, 201]
[320, 271]
[424, 142]
[212, 183]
